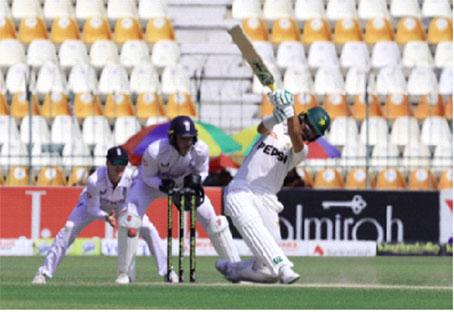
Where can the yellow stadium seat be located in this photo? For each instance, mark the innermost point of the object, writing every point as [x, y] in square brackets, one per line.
[440, 29]
[445, 180]
[396, 105]
[255, 29]
[180, 104]
[347, 30]
[266, 108]
[19, 105]
[328, 179]
[7, 29]
[359, 107]
[390, 179]
[127, 29]
[4, 109]
[159, 28]
[64, 28]
[448, 108]
[316, 30]
[336, 105]
[378, 29]
[429, 105]
[284, 29]
[118, 105]
[149, 105]
[17, 176]
[78, 176]
[357, 179]
[2, 181]
[50, 176]
[409, 29]
[304, 101]
[86, 105]
[94, 29]
[55, 104]
[421, 179]
[31, 28]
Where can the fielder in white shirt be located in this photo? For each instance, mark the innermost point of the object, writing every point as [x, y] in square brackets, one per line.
[167, 163]
[101, 199]
[250, 199]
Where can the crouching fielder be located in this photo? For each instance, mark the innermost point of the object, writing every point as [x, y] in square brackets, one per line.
[166, 164]
[250, 199]
[102, 198]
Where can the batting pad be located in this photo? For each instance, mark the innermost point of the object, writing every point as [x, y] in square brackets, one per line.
[221, 238]
[127, 248]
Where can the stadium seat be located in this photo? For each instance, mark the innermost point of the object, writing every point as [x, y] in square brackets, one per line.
[255, 29]
[443, 54]
[445, 180]
[175, 79]
[340, 9]
[41, 156]
[266, 108]
[165, 53]
[51, 176]
[78, 176]
[20, 106]
[96, 129]
[7, 28]
[390, 179]
[316, 29]
[76, 154]
[55, 104]
[134, 53]
[404, 130]
[369, 9]
[17, 176]
[304, 101]
[448, 108]
[298, 79]
[64, 28]
[4, 108]
[290, 53]
[274, 9]
[180, 104]
[359, 107]
[378, 130]
[396, 105]
[391, 80]
[445, 81]
[284, 29]
[399, 8]
[357, 179]
[435, 8]
[356, 81]
[149, 104]
[328, 179]
[21, 9]
[417, 53]
[50, 79]
[144, 78]
[124, 128]
[118, 105]
[103, 53]
[30, 29]
[346, 30]
[17, 78]
[40, 52]
[442, 155]
[65, 129]
[95, 28]
[385, 53]
[378, 29]
[409, 29]
[322, 53]
[127, 28]
[8, 128]
[13, 153]
[85, 105]
[100, 152]
[421, 179]
[242, 9]
[422, 81]
[353, 154]
[113, 79]
[159, 28]
[39, 130]
[308, 9]
[148, 9]
[416, 154]
[265, 50]
[355, 54]
[117, 9]
[87, 9]
[53, 9]
[5, 9]
[329, 80]
[257, 86]
[82, 79]
[72, 52]
[435, 130]
[429, 105]
[153, 120]
[343, 130]
[384, 155]
[336, 105]
[12, 52]
[440, 29]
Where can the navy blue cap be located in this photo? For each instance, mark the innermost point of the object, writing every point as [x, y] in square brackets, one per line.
[117, 156]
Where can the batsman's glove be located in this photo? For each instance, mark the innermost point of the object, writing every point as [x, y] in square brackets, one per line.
[279, 115]
[282, 100]
[167, 185]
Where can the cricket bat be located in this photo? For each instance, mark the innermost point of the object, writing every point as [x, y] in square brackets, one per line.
[252, 57]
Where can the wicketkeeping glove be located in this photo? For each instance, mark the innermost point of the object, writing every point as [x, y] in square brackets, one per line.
[282, 100]
[166, 185]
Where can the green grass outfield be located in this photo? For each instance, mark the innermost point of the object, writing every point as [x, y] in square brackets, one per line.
[326, 283]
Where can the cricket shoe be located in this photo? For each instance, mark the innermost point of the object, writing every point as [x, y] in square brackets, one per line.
[172, 278]
[123, 279]
[222, 266]
[287, 275]
[40, 279]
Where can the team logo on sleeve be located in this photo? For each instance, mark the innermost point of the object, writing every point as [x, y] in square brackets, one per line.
[272, 151]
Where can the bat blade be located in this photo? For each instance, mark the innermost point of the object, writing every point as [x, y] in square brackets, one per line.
[252, 57]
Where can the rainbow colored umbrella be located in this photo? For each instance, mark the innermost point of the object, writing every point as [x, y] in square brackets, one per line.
[217, 140]
[319, 149]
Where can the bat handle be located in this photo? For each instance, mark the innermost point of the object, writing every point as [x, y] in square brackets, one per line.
[272, 87]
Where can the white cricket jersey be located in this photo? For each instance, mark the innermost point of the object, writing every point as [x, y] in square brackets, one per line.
[268, 163]
[162, 161]
[99, 195]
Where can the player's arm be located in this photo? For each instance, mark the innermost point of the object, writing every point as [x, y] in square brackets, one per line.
[93, 198]
[149, 172]
[294, 132]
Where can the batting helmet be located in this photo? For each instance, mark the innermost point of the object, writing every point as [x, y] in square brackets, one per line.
[182, 126]
[318, 119]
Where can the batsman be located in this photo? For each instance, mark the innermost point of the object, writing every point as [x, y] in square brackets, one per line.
[180, 160]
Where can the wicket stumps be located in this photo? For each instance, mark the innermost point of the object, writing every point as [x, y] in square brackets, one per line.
[183, 195]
